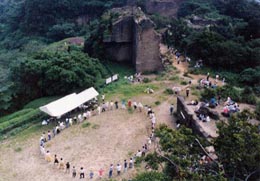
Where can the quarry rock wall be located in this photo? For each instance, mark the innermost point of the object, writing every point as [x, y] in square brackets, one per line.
[187, 118]
[134, 40]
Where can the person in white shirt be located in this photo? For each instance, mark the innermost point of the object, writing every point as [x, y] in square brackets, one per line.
[139, 153]
[118, 168]
[99, 109]
[208, 119]
[140, 106]
[103, 97]
[111, 105]
[70, 121]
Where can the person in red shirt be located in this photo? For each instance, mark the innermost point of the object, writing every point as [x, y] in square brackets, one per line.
[100, 173]
[129, 103]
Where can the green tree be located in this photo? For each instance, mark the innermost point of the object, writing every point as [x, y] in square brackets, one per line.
[49, 73]
[151, 176]
[238, 146]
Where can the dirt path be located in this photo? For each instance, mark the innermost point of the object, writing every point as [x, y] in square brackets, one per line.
[183, 68]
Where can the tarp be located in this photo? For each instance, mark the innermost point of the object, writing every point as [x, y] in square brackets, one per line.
[68, 103]
[86, 96]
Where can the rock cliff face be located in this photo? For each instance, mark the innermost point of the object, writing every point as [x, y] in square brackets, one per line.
[133, 39]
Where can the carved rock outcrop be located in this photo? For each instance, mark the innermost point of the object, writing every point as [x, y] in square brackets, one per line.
[133, 39]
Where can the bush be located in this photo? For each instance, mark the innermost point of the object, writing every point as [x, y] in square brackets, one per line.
[184, 83]
[173, 78]
[257, 110]
[168, 91]
[130, 110]
[146, 80]
[85, 125]
[19, 149]
[152, 160]
[248, 96]
[157, 103]
[207, 94]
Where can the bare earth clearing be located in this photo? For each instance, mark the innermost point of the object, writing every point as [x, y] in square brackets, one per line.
[115, 137]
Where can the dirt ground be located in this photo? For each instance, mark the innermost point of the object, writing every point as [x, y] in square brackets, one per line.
[112, 137]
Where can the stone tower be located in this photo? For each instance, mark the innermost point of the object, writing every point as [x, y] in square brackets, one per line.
[133, 39]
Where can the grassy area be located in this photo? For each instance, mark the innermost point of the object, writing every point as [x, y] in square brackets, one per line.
[122, 89]
[40, 102]
[121, 69]
[14, 115]
[28, 118]
[20, 120]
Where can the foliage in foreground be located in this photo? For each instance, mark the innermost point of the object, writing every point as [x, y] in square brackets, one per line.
[150, 176]
[238, 146]
[181, 148]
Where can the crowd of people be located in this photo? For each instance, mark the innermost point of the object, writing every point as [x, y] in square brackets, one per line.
[137, 77]
[59, 162]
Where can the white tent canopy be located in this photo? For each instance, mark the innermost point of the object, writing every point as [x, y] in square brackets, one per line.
[68, 103]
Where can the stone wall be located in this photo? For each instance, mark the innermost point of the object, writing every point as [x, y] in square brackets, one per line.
[147, 50]
[187, 118]
[134, 40]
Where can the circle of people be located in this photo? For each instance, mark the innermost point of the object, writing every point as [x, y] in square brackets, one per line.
[60, 163]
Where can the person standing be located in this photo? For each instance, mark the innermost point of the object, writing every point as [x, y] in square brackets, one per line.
[140, 106]
[129, 103]
[123, 104]
[171, 109]
[82, 173]
[125, 166]
[118, 168]
[62, 165]
[110, 174]
[103, 98]
[49, 135]
[116, 104]
[187, 92]
[91, 174]
[135, 105]
[217, 77]
[56, 161]
[74, 172]
[208, 76]
[100, 172]
[131, 163]
[67, 167]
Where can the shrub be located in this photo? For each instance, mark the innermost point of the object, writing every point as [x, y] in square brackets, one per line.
[19, 149]
[95, 126]
[207, 94]
[146, 80]
[168, 91]
[130, 110]
[248, 96]
[85, 125]
[152, 160]
[257, 110]
[184, 83]
[175, 77]
[157, 103]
